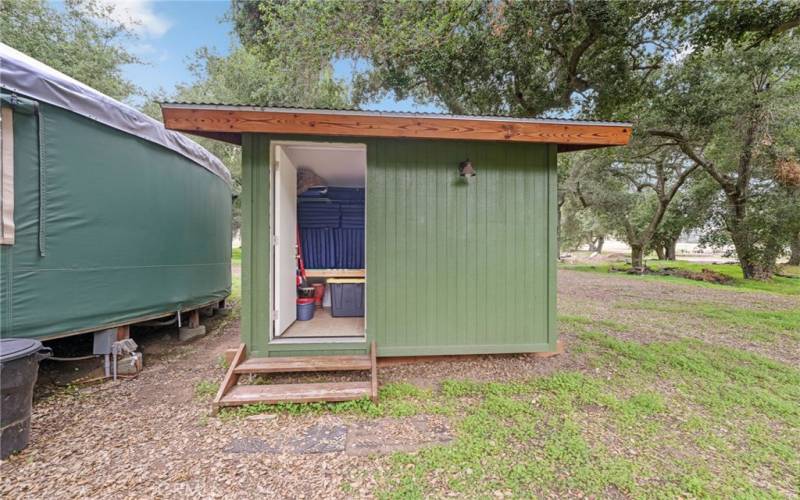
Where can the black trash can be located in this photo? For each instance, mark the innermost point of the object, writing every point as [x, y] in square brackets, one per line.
[19, 367]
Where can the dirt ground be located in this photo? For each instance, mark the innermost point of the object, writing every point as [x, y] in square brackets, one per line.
[152, 436]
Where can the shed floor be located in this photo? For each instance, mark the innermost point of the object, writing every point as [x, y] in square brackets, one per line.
[325, 325]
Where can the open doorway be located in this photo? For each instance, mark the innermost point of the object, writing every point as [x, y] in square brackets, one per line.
[319, 258]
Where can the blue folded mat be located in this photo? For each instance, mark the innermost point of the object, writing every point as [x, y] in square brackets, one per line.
[331, 224]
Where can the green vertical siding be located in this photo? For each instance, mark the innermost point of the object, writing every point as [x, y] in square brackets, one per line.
[456, 267]
[452, 267]
[256, 243]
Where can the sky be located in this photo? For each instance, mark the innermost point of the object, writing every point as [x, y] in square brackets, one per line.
[169, 32]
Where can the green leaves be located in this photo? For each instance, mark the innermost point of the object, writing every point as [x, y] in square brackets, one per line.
[82, 40]
[518, 58]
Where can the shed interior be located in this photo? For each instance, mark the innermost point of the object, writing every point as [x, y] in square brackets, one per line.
[319, 278]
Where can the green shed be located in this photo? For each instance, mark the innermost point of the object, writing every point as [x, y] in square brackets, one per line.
[108, 219]
[459, 232]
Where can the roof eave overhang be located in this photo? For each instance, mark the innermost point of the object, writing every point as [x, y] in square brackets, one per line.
[228, 123]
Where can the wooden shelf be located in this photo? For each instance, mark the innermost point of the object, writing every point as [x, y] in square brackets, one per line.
[336, 273]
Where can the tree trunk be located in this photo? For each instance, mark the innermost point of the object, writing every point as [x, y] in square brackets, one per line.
[660, 252]
[601, 240]
[753, 267]
[753, 270]
[591, 240]
[794, 258]
[671, 249]
[637, 258]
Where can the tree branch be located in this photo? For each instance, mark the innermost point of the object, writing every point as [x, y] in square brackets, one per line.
[575, 82]
[683, 143]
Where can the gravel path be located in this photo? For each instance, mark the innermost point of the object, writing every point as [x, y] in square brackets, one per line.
[152, 437]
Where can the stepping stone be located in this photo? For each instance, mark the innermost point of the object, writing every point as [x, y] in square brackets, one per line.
[390, 435]
[250, 445]
[319, 439]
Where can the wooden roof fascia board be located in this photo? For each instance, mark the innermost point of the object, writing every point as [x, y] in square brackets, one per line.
[231, 121]
[232, 138]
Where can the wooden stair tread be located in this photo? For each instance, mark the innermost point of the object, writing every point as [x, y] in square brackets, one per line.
[305, 364]
[295, 393]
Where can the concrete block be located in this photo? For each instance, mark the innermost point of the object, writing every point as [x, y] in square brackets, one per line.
[129, 365]
[224, 311]
[186, 333]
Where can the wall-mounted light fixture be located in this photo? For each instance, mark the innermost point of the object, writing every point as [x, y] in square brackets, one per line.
[465, 169]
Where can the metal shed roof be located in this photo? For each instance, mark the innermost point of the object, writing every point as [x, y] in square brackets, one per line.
[228, 121]
[26, 76]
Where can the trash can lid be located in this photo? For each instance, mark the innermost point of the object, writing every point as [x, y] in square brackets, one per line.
[11, 349]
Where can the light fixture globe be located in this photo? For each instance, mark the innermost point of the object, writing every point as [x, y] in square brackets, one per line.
[465, 169]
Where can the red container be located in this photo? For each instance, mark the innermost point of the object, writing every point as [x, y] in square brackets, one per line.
[319, 292]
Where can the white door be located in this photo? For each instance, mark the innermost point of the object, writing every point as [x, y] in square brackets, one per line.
[286, 241]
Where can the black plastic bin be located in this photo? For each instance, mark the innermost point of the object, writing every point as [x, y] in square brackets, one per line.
[19, 368]
[347, 297]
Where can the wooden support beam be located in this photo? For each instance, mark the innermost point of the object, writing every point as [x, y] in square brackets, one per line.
[373, 353]
[228, 355]
[559, 350]
[123, 332]
[230, 380]
[194, 318]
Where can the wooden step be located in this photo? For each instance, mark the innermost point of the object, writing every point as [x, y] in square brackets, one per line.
[295, 393]
[305, 364]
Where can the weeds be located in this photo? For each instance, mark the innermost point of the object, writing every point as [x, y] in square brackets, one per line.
[206, 389]
[572, 433]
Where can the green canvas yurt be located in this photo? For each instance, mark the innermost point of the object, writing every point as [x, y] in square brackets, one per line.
[108, 218]
[425, 234]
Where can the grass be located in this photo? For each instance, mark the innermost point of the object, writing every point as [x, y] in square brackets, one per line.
[236, 281]
[760, 326]
[236, 288]
[791, 271]
[778, 284]
[579, 321]
[674, 419]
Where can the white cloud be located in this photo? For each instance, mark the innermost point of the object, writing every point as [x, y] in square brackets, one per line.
[148, 51]
[139, 16]
[141, 49]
